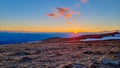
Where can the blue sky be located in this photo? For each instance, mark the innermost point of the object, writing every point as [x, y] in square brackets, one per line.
[31, 15]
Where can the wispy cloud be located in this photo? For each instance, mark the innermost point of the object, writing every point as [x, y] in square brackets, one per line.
[84, 1]
[80, 1]
[51, 14]
[69, 15]
[64, 12]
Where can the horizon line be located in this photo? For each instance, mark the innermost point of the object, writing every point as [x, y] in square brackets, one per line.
[59, 31]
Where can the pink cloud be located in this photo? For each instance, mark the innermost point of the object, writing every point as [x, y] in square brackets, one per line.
[62, 11]
[69, 15]
[84, 1]
[73, 12]
[51, 14]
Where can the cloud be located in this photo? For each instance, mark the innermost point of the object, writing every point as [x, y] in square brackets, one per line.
[84, 1]
[52, 15]
[81, 1]
[69, 15]
[62, 11]
[66, 12]
[73, 12]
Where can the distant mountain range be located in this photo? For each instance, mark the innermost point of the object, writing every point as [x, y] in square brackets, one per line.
[83, 37]
[25, 37]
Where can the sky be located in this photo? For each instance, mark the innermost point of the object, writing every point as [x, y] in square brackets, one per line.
[59, 15]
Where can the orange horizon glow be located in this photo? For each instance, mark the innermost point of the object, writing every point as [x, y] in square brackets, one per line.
[72, 31]
[75, 32]
[65, 28]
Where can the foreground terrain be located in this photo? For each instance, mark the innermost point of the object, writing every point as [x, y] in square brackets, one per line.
[92, 54]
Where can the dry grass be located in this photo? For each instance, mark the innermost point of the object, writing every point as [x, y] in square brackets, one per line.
[52, 55]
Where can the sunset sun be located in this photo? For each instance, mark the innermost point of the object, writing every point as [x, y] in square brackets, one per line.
[75, 32]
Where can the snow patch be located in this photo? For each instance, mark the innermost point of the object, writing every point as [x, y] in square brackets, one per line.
[117, 36]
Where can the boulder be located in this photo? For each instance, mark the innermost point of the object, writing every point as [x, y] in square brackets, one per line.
[110, 62]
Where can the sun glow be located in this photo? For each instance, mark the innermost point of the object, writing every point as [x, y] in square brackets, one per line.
[75, 32]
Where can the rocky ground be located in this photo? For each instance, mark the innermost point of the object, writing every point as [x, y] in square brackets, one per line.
[94, 54]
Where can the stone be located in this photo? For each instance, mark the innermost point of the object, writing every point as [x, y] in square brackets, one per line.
[72, 65]
[23, 59]
[79, 66]
[110, 62]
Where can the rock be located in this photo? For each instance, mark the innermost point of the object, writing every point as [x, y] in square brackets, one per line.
[16, 58]
[110, 62]
[117, 63]
[72, 65]
[98, 52]
[38, 51]
[89, 44]
[94, 65]
[118, 54]
[93, 52]
[23, 59]
[66, 65]
[21, 53]
[79, 66]
[88, 52]
[106, 61]
[115, 52]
